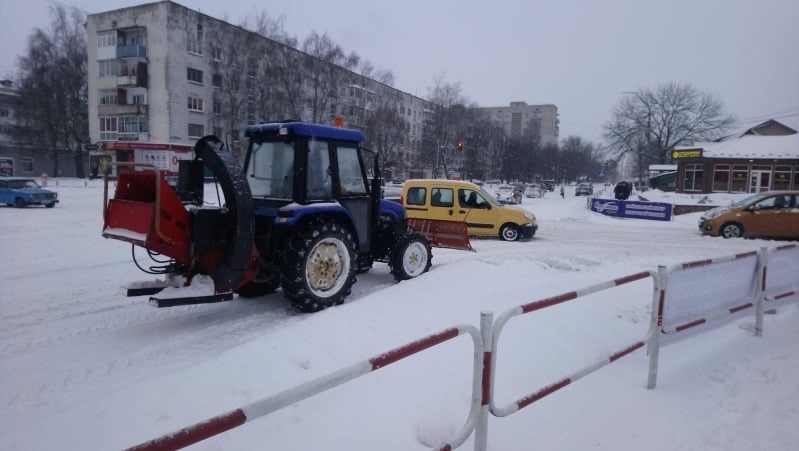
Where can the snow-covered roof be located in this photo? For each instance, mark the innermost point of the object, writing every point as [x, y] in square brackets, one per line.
[662, 167]
[743, 131]
[751, 146]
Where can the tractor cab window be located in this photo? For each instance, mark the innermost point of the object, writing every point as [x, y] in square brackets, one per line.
[271, 170]
[353, 182]
[320, 183]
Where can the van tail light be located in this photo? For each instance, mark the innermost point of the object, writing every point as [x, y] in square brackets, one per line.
[402, 200]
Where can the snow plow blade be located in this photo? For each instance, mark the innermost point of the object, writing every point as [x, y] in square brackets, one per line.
[448, 234]
[191, 300]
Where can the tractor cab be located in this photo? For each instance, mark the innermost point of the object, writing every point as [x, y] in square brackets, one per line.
[304, 163]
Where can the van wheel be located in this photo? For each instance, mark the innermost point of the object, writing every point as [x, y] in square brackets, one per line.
[509, 232]
[20, 202]
[732, 230]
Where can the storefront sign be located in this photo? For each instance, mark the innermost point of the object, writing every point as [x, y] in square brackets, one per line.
[656, 211]
[686, 153]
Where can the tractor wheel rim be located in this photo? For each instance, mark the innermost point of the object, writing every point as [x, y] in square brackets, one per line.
[325, 266]
[414, 260]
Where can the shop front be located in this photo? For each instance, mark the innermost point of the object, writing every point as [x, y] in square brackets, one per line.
[109, 154]
[751, 164]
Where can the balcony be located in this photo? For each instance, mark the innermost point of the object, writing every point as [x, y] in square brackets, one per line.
[121, 136]
[131, 51]
[113, 110]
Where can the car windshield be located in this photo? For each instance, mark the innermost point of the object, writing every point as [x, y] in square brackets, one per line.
[747, 200]
[23, 184]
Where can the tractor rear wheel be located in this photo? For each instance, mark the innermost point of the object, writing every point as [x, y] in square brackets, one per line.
[320, 266]
[411, 256]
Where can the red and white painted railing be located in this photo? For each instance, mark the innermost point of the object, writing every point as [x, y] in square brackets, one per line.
[234, 418]
[540, 305]
[736, 283]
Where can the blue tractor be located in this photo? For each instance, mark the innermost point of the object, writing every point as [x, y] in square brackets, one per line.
[303, 214]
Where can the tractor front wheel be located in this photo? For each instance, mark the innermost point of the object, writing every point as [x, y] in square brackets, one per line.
[411, 256]
[320, 266]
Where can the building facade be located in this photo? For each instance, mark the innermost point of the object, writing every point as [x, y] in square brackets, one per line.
[762, 158]
[17, 157]
[520, 119]
[161, 76]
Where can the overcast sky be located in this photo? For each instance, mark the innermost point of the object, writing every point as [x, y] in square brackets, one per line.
[580, 55]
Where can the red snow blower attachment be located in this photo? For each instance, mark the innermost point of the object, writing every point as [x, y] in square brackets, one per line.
[182, 235]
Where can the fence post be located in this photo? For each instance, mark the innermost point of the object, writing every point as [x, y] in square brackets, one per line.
[762, 268]
[481, 429]
[653, 347]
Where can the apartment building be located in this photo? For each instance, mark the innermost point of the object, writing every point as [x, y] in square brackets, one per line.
[520, 119]
[161, 76]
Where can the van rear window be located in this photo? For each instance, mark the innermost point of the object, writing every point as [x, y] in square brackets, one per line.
[416, 196]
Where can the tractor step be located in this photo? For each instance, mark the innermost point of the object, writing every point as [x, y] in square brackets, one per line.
[190, 300]
[142, 291]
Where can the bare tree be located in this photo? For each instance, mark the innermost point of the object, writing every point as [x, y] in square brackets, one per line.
[649, 123]
[386, 132]
[450, 115]
[323, 68]
[53, 87]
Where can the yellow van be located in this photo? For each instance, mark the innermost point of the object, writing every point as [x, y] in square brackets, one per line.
[455, 200]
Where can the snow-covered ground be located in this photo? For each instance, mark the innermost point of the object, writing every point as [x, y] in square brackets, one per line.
[83, 367]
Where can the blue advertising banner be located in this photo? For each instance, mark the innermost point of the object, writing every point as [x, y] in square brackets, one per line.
[656, 211]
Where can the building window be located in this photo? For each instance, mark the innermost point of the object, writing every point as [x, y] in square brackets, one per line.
[796, 177]
[216, 80]
[108, 128]
[27, 165]
[694, 177]
[108, 68]
[721, 177]
[132, 124]
[195, 104]
[108, 97]
[782, 178]
[739, 174]
[138, 99]
[218, 131]
[194, 43]
[196, 130]
[4, 112]
[217, 107]
[216, 52]
[194, 75]
[107, 39]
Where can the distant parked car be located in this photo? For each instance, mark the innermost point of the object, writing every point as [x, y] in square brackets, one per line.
[21, 192]
[549, 185]
[773, 214]
[583, 189]
[505, 194]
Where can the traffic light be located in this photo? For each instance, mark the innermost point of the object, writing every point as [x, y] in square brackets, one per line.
[460, 145]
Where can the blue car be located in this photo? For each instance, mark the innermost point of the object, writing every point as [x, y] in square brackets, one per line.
[21, 192]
